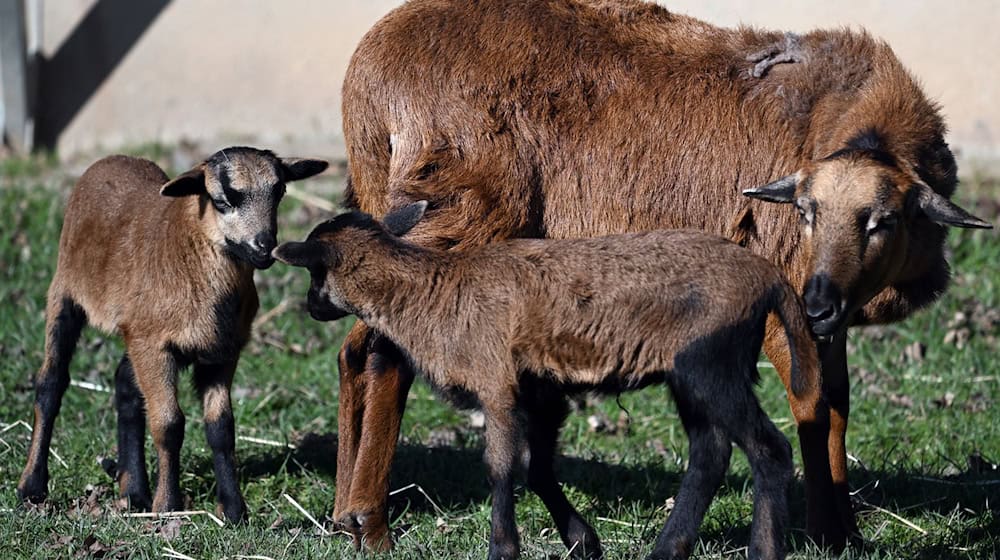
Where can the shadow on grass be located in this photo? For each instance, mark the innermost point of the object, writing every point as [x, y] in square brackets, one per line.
[454, 477]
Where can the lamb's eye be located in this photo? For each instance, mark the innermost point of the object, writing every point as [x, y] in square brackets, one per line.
[221, 205]
[806, 212]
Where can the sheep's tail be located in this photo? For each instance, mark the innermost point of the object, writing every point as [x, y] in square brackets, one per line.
[806, 378]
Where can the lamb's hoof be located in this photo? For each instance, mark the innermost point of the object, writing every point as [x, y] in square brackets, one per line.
[235, 511]
[788, 51]
[33, 490]
[137, 500]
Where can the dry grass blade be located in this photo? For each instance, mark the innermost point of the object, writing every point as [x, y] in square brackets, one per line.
[310, 199]
[899, 518]
[437, 509]
[271, 313]
[89, 386]
[261, 441]
[174, 514]
[171, 553]
[309, 516]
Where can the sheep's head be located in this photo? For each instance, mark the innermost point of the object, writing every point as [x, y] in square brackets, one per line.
[241, 188]
[336, 248]
[866, 222]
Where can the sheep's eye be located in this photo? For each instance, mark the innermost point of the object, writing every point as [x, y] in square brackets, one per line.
[884, 223]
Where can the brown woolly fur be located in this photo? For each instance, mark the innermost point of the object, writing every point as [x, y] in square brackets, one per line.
[519, 324]
[168, 265]
[577, 118]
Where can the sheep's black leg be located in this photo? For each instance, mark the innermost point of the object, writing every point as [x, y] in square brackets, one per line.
[64, 321]
[133, 482]
[789, 50]
[710, 450]
[546, 411]
[213, 383]
[372, 401]
[156, 375]
[502, 446]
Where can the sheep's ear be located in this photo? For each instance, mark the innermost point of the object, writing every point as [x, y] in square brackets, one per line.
[296, 168]
[186, 184]
[299, 253]
[782, 190]
[942, 211]
[402, 220]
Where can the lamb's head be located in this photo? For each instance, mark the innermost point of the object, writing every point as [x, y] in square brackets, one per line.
[336, 248]
[867, 222]
[241, 187]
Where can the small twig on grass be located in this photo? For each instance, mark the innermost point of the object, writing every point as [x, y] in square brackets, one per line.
[570, 551]
[309, 516]
[252, 557]
[437, 509]
[173, 514]
[58, 458]
[310, 199]
[28, 427]
[619, 522]
[7, 427]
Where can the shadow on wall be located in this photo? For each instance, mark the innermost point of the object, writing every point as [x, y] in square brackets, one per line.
[85, 59]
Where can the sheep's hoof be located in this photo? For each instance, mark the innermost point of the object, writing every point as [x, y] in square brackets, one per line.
[368, 531]
[788, 51]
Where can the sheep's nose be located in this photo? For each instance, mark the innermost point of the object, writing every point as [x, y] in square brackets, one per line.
[264, 242]
[823, 303]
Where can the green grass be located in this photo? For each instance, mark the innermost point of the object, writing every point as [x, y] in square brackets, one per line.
[923, 432]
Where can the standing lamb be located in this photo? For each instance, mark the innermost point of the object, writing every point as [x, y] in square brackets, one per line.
[169, 266]
[577, 118]
[520, 324]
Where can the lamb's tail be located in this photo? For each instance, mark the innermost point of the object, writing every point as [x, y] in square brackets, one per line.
[806, 378]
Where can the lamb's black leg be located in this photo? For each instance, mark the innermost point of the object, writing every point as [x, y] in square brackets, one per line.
[213, 382]
[503, 441]
[710, 450]
[64, 321]
[133, 481]
[770, 457]
[789, 50]
[546, 412]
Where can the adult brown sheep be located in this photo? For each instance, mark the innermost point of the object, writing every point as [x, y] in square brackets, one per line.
[571, 118]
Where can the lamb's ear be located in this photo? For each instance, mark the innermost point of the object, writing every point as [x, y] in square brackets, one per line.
[942, 211]
[186, 184]
[402, 220]
[296, 168]
[299, 253]
[782, 190]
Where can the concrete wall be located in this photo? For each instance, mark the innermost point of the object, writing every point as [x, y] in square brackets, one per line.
[221, 71]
